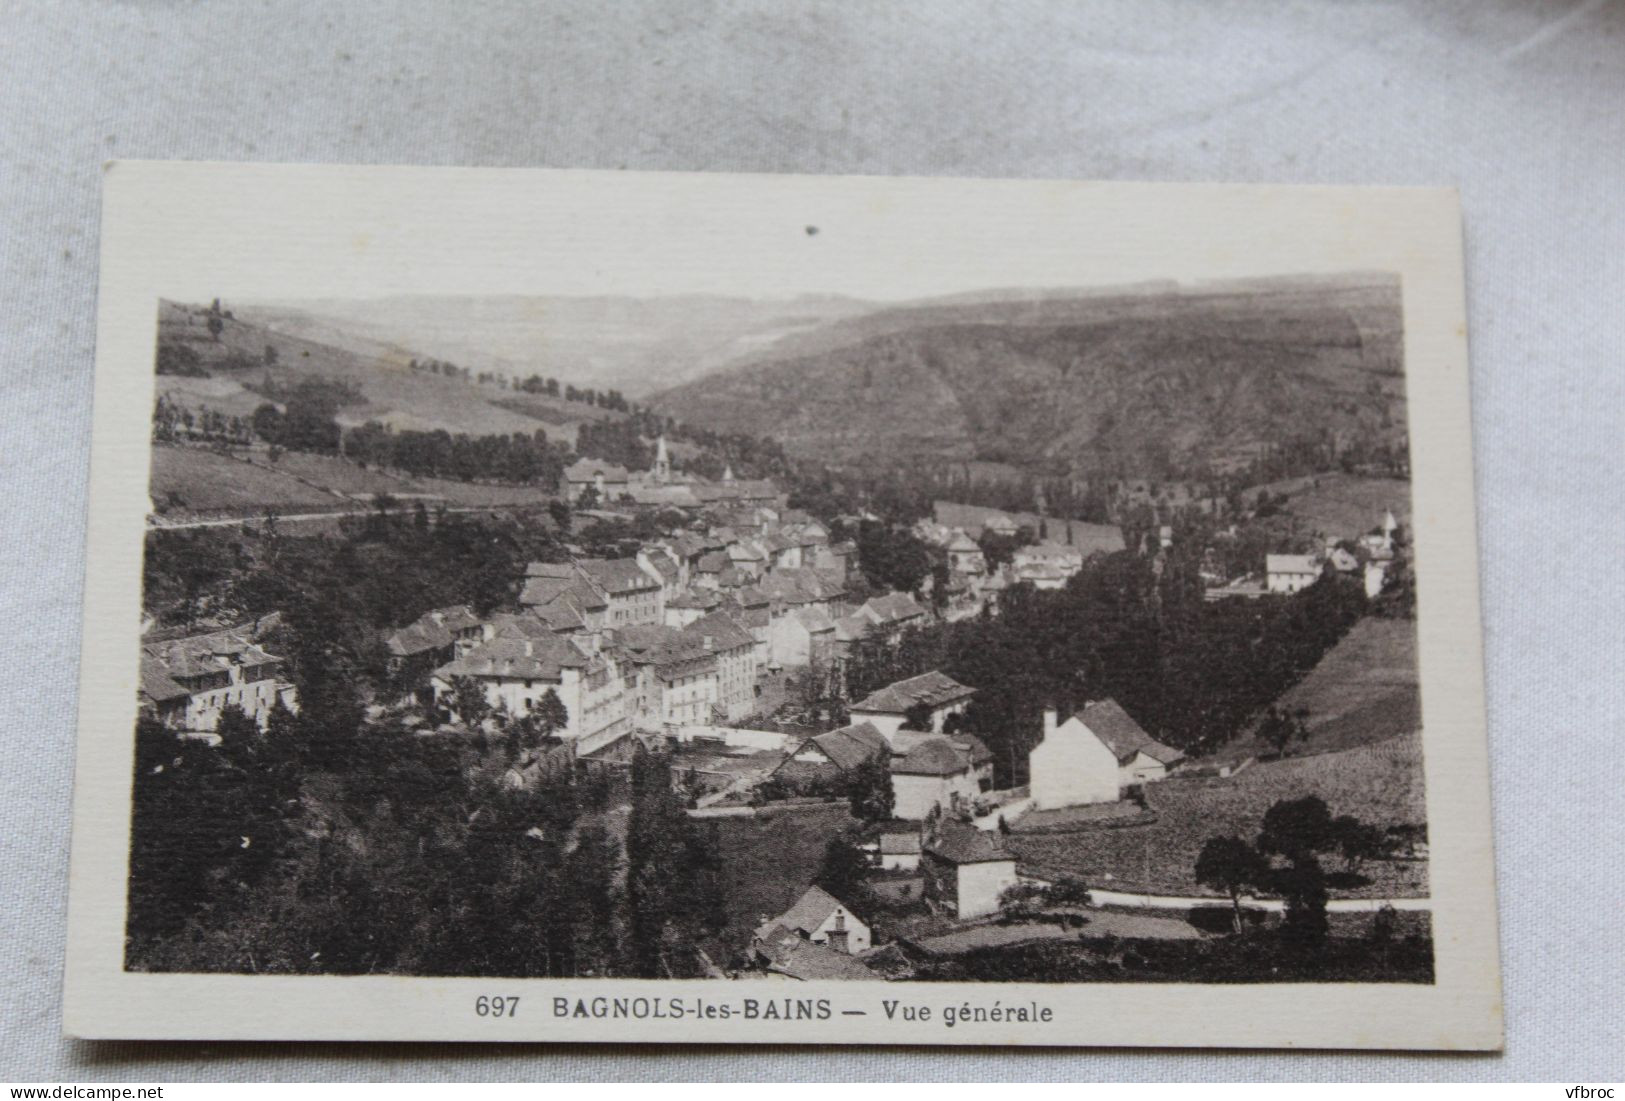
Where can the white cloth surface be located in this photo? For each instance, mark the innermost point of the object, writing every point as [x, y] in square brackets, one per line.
[1519, 104]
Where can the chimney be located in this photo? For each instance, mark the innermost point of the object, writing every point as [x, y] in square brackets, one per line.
[837, 935]
[1049, 722]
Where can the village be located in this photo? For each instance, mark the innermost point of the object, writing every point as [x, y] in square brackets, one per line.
[727, 645]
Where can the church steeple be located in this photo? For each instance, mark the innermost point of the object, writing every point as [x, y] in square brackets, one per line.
[662, 467]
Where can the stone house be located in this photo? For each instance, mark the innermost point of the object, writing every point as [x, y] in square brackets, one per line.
[1093, 756]
[888, 706]
[965, 869]
[186, 682]
[821, 918]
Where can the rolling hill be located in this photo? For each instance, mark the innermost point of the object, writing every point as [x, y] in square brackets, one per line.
[634, 345]
[391, 392]
[1134, 381]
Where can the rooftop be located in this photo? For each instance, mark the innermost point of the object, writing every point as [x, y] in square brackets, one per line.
[541, 658]
[810, 911]
[1107, 720]
[961, 843]
[617, 576]
[850, 746]
[934, 689]
[1291, 563]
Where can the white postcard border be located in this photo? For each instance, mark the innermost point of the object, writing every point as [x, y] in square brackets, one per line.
[192, 231]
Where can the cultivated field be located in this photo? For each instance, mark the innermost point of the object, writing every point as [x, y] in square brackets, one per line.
[1343, 506]
[190, 480]
[197, 482]
[1380, 784]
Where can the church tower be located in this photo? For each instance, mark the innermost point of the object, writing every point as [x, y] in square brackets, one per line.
[662, 467]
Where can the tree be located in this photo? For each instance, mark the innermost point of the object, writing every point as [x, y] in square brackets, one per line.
[559, 510]
[917, 717]
[180, 359]
[1304, 886]
[238, 734]
[673, 876]
[870, 792]
[1276, 729]
[843, 869]
[1231, 865]
[1296, 828]
[892, 559]
[550, 714]
[1357, 841]
[469, 701]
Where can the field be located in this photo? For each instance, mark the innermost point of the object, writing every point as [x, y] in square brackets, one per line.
[1363, 691]
[394, 394]
[197, 482]
[769, 860]
[1380, 784]
[1343, 506]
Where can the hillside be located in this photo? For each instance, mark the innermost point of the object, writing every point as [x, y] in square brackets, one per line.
[634, 345]
[1135, 382]
[392, 393]
[1365, 690]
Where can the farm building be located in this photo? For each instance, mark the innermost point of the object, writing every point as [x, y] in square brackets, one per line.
[1288, 573]
[1093, 756]
[821, 918]
[896, 848]
[966, 869]
[888, 707]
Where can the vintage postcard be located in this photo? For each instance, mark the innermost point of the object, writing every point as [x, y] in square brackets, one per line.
[556, 606]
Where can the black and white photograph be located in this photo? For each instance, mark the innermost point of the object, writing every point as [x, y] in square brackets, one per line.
[775, 640]
[1029, 635]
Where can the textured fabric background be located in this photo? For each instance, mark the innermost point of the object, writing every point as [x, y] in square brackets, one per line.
[1520, 105]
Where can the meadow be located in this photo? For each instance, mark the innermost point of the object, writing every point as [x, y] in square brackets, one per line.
[1380, 784]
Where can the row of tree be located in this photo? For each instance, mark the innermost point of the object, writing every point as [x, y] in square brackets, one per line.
[308, 849]
[1194, 673]
[1300, 830]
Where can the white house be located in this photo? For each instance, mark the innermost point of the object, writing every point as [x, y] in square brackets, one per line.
[735, 650]
[606, 479]
[965, 869]
[934, 771]
[1376, 576]
[896, 848]
[888, 706]
[523, 661]
[636, 593]
[1093, 756]
[821, 918]
[964, 556]
[1289, 573]
[802, 636]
